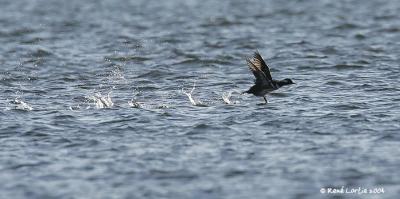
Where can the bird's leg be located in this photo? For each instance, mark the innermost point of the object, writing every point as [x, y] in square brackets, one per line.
[266, 101]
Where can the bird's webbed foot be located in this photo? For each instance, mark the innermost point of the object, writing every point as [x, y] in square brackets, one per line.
[266, 101]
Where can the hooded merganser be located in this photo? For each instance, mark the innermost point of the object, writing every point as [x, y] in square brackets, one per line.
[264, 83]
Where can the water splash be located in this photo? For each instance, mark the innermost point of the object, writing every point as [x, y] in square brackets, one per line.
[101, 101]
[226, 97]
[117, 75]
[135, 104]
[193, 101]
[75, 108]
[21, 105]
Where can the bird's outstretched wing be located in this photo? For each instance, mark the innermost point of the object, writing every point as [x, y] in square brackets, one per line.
[259, 62]
[261, 79]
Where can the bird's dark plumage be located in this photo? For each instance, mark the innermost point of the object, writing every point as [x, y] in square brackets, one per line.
[264, 82]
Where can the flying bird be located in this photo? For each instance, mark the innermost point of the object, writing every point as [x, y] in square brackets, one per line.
[264, 83]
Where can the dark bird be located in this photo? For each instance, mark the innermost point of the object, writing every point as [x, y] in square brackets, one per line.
[264, 83]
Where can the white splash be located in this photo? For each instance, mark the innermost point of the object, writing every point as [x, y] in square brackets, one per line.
[226, 97]
[102, 101]
[21, 105]
[117, 75]
[75, 108]
[192, 101]
[135, 104]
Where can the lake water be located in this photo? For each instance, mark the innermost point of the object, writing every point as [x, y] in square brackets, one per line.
[93, 103]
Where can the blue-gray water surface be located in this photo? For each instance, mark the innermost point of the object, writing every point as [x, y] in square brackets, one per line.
[93, 103]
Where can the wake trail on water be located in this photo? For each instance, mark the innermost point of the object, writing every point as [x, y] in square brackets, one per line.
[99, 100]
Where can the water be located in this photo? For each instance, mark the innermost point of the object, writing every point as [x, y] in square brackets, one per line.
[93, 103]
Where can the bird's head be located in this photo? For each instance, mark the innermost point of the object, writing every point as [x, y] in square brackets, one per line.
[288, 81]
[284, 82]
